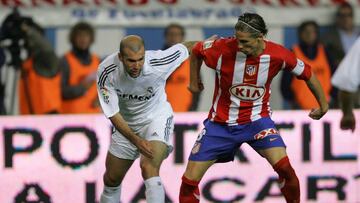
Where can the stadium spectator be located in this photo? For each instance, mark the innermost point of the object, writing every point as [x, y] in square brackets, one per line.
[347, 80]
[295, 92]
[180, 98]
[131, 88]
[78, 68]
[39, 85]
[245, 66]
[339, 39]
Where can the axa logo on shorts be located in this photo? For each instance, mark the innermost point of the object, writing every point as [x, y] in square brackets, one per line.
[247, 92]
[262, 134]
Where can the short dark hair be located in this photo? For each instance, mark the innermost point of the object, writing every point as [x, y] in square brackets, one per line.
[342, 6]
[174, 25]
[304, 24]
[252, 23]
[80, 27]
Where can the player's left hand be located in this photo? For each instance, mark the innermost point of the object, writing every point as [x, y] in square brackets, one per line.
[316, 114]
[196, 87]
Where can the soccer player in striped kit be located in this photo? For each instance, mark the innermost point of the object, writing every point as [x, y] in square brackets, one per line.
[245, 66]
[131, 88]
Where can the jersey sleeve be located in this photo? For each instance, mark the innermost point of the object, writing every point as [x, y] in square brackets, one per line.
[106, 91]
[296, 66]
[168, 60]
[208, 51]
[347, 75]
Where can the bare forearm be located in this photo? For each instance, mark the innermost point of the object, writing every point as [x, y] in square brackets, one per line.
[189, 44]
[316, 89]
[195, 64]
[346, 102]
[120, 124]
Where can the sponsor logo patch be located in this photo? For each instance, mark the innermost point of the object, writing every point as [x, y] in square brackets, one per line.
[247, 92]
[262, 134]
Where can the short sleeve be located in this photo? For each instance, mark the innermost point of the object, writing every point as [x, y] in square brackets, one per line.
[347, 75]
[168, 60]
[296, 66]
[209, 51]
[198, 49]
[106, 91]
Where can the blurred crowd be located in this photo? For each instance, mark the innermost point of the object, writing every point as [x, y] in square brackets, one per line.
[50, 84]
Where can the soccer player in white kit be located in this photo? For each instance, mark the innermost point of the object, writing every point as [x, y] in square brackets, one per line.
[347, 79]
[131, 89]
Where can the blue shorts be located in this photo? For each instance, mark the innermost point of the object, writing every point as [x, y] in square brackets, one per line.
[220, 142]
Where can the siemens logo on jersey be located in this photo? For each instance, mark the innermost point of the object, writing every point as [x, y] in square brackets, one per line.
[136, 97]
[247, 92]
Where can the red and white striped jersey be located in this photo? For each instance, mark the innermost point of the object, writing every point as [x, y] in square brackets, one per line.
[242, 84]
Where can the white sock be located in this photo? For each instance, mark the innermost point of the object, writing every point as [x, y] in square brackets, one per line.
[110, 194]
[154, 190]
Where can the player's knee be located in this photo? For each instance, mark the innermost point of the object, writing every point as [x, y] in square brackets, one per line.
[190, 175]
[284, 169]
[111, 180]
[149, 169]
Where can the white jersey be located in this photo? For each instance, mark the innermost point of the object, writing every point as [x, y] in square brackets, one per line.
[143, 98]
[347, 75]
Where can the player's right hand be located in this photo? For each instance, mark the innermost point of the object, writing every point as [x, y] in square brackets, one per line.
[144, 147]
[348, 122]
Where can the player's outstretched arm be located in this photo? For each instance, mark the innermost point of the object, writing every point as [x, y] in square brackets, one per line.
[142, 144]
[316, 89]
[346, 102]
[190, 44]
[196, 84]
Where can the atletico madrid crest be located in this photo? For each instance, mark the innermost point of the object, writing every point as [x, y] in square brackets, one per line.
[250, 70]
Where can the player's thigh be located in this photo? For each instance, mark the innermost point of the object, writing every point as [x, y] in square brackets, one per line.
[159, 132]
[160, 152]
[116, 168]
[195, 170]
[273, 155]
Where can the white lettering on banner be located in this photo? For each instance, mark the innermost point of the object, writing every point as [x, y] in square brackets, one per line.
[296, 3]
[163, 12]
[156, 14]
[45, 157]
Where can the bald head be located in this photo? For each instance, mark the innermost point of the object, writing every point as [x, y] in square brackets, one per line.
[133, 42]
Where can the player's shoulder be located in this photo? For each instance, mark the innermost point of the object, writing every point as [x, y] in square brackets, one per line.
[165, 57]
[107, 68]
[109, 62]
[276, 50]
[274, 46]
[219, 44]
[171, 51]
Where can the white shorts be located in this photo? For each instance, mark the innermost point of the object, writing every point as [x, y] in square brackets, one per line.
[160, 129]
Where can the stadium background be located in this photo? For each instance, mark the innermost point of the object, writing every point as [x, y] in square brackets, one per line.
[114, 19]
